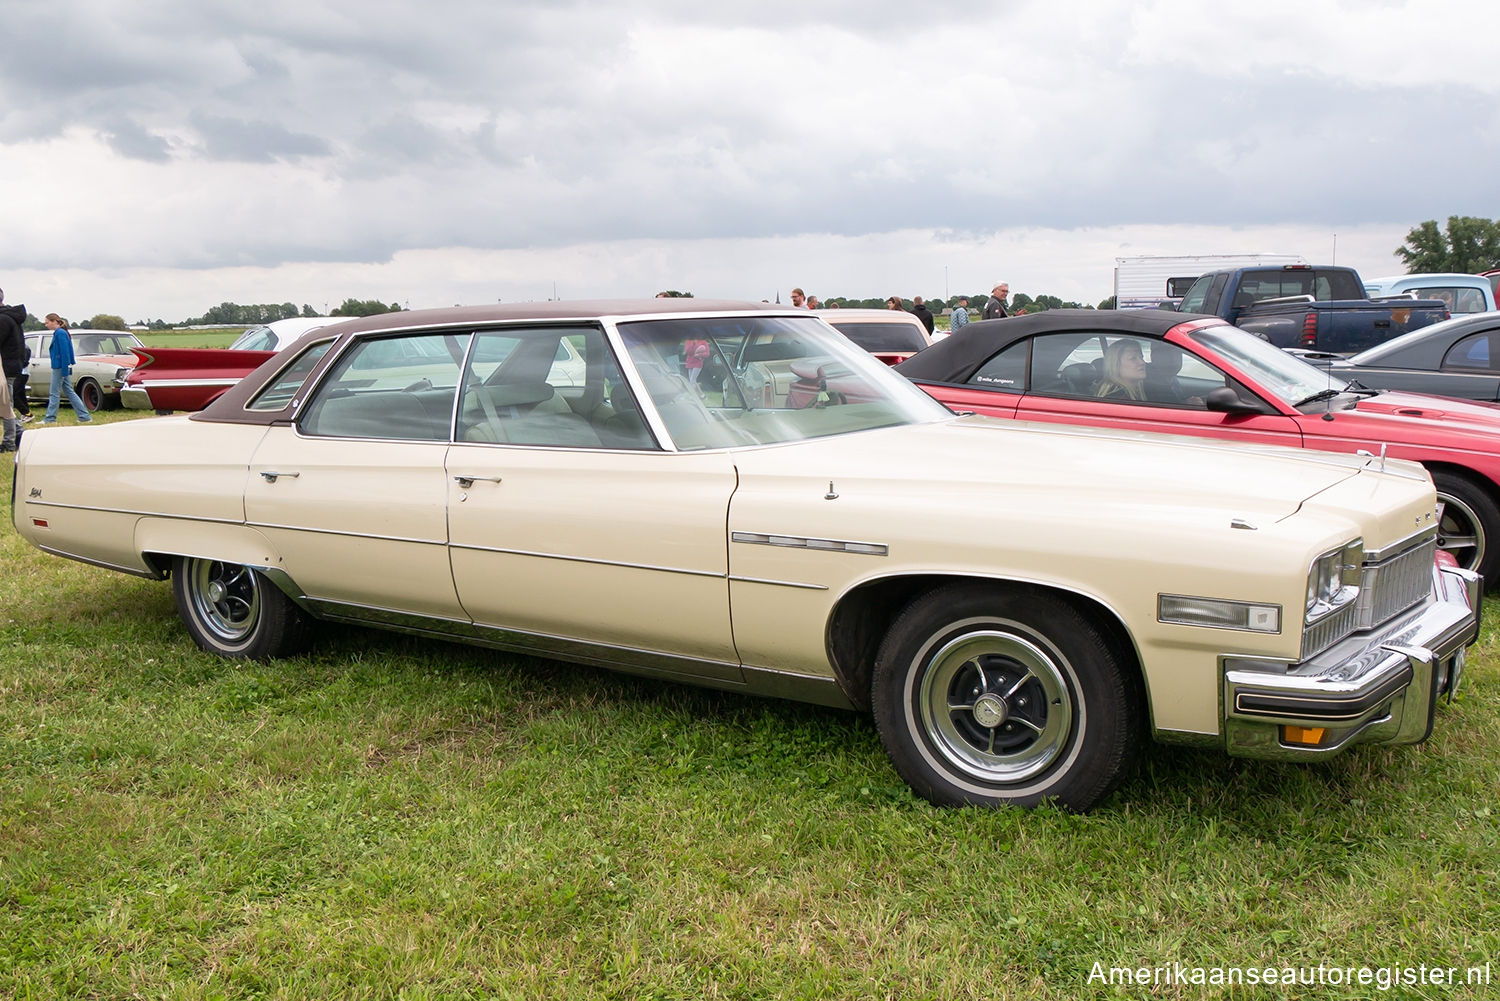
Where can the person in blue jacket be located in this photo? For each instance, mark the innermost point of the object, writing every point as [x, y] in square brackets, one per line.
[61, 355]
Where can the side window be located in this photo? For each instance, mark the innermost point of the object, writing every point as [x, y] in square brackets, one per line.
[284, 387]
[1067, 364]
[1471, 354]
[1215, 293]
[557, 387]
[1194, 301]
[1178, 378]
[1006, 371]
[390, 387]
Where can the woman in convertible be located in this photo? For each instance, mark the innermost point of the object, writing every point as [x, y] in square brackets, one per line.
[1124, 371]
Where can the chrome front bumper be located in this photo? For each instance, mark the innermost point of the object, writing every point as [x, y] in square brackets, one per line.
[1380, 686]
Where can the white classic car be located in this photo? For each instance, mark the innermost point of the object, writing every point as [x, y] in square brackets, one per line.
[1018, 605]
[103, 359]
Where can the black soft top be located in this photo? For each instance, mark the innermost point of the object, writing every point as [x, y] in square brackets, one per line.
[958, 355]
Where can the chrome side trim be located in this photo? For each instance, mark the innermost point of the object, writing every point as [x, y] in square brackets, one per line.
[177, 383]
[338, 532]
[586, 559]
[37, 502]
[736, 578]
[803, 542]
[133, 571]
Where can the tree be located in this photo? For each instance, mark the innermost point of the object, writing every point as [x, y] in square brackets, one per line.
[674, 294]
[1468, 245]
[107, 321]
[364, 307]
[308, 310]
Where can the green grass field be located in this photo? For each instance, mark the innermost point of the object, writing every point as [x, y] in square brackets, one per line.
[189, 338]
[394, 818]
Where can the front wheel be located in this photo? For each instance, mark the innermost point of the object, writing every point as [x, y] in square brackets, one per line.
[232, 610]
[1468, 524]
[988, 696]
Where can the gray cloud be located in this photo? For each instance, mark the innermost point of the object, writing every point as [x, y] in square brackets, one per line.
[365, 129]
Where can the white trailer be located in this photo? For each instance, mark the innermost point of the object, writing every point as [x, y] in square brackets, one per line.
[1147, 282]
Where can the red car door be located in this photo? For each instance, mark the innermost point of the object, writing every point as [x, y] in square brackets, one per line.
[1275, 429]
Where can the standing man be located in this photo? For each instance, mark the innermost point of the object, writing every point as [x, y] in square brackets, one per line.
[960, 315]
[994, 306]
[812, 302]
[799, 300]
[13, 355]
[920, 311]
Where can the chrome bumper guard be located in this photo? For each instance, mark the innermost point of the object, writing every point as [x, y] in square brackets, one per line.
[1379, 686]
[134, 398]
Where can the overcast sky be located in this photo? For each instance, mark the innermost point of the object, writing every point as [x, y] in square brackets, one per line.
[160, 156]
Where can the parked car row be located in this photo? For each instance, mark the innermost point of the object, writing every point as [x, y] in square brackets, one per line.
[1018, 605]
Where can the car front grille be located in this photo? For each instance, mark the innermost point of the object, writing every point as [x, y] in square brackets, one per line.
[1389, 584]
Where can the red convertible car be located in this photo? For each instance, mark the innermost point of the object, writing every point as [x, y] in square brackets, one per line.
[1155, 370]
[168, 379]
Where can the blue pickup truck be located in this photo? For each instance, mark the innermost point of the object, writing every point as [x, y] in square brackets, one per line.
[1307, 306]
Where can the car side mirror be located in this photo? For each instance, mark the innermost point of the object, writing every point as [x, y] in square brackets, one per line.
[1225, 400]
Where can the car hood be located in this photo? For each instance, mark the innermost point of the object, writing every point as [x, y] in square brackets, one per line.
[990, 457]
[1388, 413]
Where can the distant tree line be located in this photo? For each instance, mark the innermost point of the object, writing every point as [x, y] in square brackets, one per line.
[1467, 245]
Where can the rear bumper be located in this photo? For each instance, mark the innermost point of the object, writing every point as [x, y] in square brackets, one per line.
[134, 398]
[1381, 686]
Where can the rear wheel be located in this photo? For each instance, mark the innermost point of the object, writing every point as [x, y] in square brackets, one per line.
[89, 392]
[232, 610]
[988, 696]
[1468, 523]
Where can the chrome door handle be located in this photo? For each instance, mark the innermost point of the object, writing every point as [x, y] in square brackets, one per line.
[468, 481]
[271, 475]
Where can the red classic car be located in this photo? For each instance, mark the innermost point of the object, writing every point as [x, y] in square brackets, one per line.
[167, 379]
[1154, 370]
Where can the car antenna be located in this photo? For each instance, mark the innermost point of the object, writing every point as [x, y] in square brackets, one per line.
[1328, 400]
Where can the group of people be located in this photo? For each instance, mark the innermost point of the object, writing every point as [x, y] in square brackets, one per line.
[994, 307]
[15, 360]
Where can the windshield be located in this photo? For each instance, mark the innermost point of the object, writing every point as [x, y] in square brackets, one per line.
[720, 382]
[90, 343]
[255, 339]
[1289, 378]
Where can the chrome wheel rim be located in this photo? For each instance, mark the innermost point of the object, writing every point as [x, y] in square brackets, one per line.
[996, 706]
[1459, 532]
[225, 598]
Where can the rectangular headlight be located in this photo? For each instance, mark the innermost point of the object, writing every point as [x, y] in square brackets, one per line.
[1333, 580]
[1217, 613]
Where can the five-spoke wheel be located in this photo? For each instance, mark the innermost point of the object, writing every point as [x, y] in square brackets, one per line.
[232, 610]
[990, 695]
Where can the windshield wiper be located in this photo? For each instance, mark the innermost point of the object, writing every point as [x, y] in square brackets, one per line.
[1326, 394]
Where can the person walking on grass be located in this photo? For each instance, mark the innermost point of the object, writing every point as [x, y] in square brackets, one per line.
[61, 356]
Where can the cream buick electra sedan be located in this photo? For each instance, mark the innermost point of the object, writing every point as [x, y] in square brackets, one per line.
[1019, 606]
